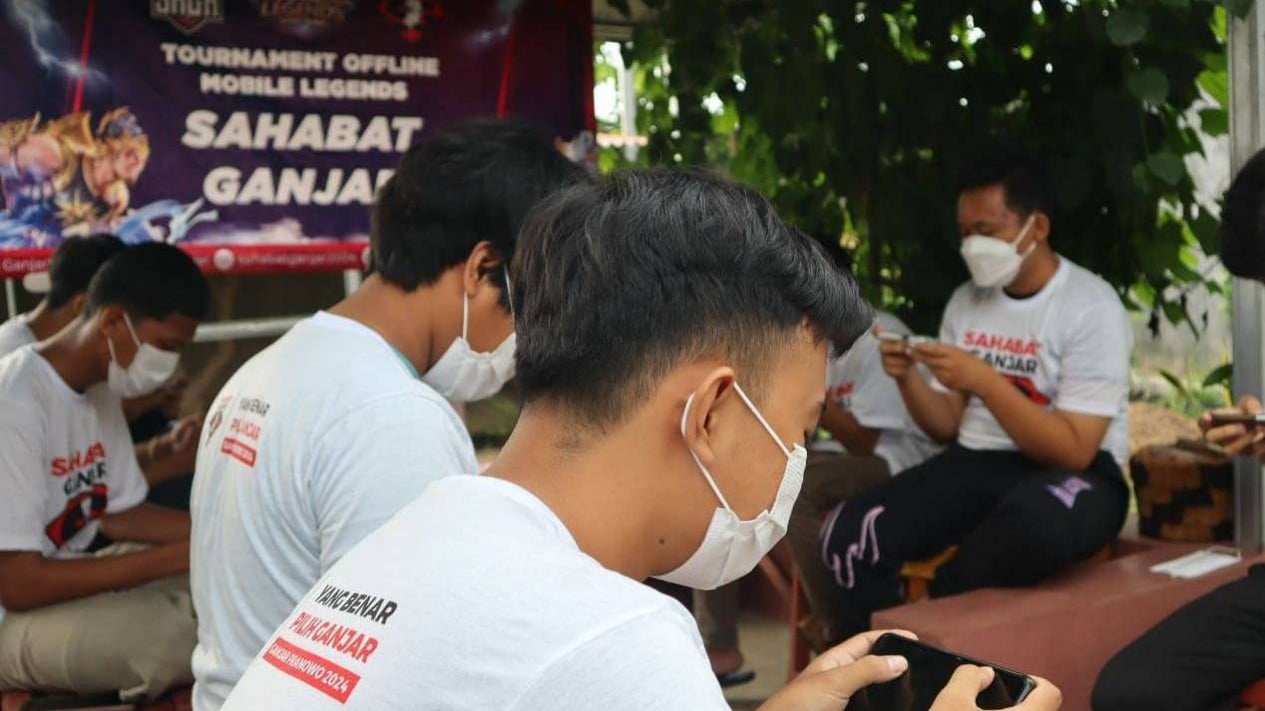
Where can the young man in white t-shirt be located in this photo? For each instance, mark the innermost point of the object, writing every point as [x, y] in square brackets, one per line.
[323, 436]
[672, 345]
[1031, 387]
[75, 261]
[118, 620]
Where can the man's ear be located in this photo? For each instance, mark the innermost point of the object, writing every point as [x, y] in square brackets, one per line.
[110, 321]
[698, 423]
[483, 259]
[77, 303]
[1040, 227]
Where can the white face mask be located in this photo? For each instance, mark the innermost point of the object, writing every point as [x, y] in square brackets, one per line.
[732, 547]
[149, 369]
[465, 375]
[993, 262]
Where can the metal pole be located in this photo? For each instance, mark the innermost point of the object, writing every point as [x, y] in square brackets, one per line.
[352, 279]
[1247, 127]
[628, 117]
[11, 297]
[245, 328]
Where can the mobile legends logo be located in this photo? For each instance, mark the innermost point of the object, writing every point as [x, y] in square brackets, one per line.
[188, 16]
[328, 11]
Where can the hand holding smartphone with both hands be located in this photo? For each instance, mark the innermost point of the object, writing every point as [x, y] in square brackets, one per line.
[848, 675]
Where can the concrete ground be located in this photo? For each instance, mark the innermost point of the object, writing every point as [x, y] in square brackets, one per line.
[766, 645]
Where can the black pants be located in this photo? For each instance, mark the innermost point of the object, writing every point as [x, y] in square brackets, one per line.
[1017, 523]
[1202, 657]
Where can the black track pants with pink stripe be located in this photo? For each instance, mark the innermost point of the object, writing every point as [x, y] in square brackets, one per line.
[1017, 523]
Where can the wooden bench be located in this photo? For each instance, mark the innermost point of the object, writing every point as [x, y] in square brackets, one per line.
[1065, 629]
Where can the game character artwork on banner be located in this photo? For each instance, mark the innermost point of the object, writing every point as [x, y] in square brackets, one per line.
[255, 133]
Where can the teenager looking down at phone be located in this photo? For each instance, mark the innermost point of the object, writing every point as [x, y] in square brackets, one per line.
[118, 620]
[1030, 390]
[74, 263]
[1204, 655]
[330, 431]
[672, 340]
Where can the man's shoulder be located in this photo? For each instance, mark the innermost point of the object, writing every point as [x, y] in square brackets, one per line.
[333, 375]
[14, 334]
[1084, 292]
[21, 376]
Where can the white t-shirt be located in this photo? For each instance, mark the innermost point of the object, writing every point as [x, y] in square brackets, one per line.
[477, 597]
[14, 334]
[1066, 347]
[313, 443]
[66, 459]
[857, 383]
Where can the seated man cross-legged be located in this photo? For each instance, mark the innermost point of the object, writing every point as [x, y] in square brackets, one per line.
[672, 342]
[1030, 385]
[120, 619]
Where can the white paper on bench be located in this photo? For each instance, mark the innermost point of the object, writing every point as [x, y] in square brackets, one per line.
[1199, 563]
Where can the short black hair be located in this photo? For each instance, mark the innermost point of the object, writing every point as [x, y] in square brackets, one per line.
[471, 182]
[153, 281]
[633, 275]
[1243, 222]
[1023, 179]
[75, 262]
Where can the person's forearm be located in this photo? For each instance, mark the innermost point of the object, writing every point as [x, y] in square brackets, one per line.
[933, 411]
[158, 461]
[32, 581]
[1042, 435]
[855, 437]
[147, 523]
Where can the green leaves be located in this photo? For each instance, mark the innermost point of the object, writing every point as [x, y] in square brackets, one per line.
[1167, 167]
[1127, 26]
[864, 114]
[1148, 85]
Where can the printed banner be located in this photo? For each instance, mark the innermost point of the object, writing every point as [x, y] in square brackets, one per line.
[254, 133]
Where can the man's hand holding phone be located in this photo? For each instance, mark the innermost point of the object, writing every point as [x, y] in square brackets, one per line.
[1237, 430]
[834, 677]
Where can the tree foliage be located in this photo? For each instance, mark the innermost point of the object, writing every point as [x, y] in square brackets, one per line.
[854, 116]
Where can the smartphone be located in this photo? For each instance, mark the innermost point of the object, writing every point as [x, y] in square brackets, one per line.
[929, 672]
[1238, 418]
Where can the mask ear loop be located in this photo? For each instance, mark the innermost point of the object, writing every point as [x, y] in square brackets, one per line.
[755, 411]
[465, 316]
[706, 474]
[1023, 233]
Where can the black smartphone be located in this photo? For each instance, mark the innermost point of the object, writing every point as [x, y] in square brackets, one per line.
[1238, 418]
[929, 672]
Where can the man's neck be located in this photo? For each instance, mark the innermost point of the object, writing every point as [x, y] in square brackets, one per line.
[1041, 268]
[45, 321]
[608, 508]
[73, 357]
[401, 318]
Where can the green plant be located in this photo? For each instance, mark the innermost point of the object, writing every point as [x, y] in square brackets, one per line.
[1194, 395]
[853, 117]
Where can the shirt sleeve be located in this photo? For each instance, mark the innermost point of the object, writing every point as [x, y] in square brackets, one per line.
[22, 474]
[648, 662]
[378, 458]
[1094, 372]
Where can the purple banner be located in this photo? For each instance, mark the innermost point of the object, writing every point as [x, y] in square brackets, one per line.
[235, 126]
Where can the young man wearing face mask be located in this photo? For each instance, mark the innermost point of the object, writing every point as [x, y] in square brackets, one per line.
[1030, 391]
[117, 620]
[74, 263]
[327, 433]
[673, 335]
